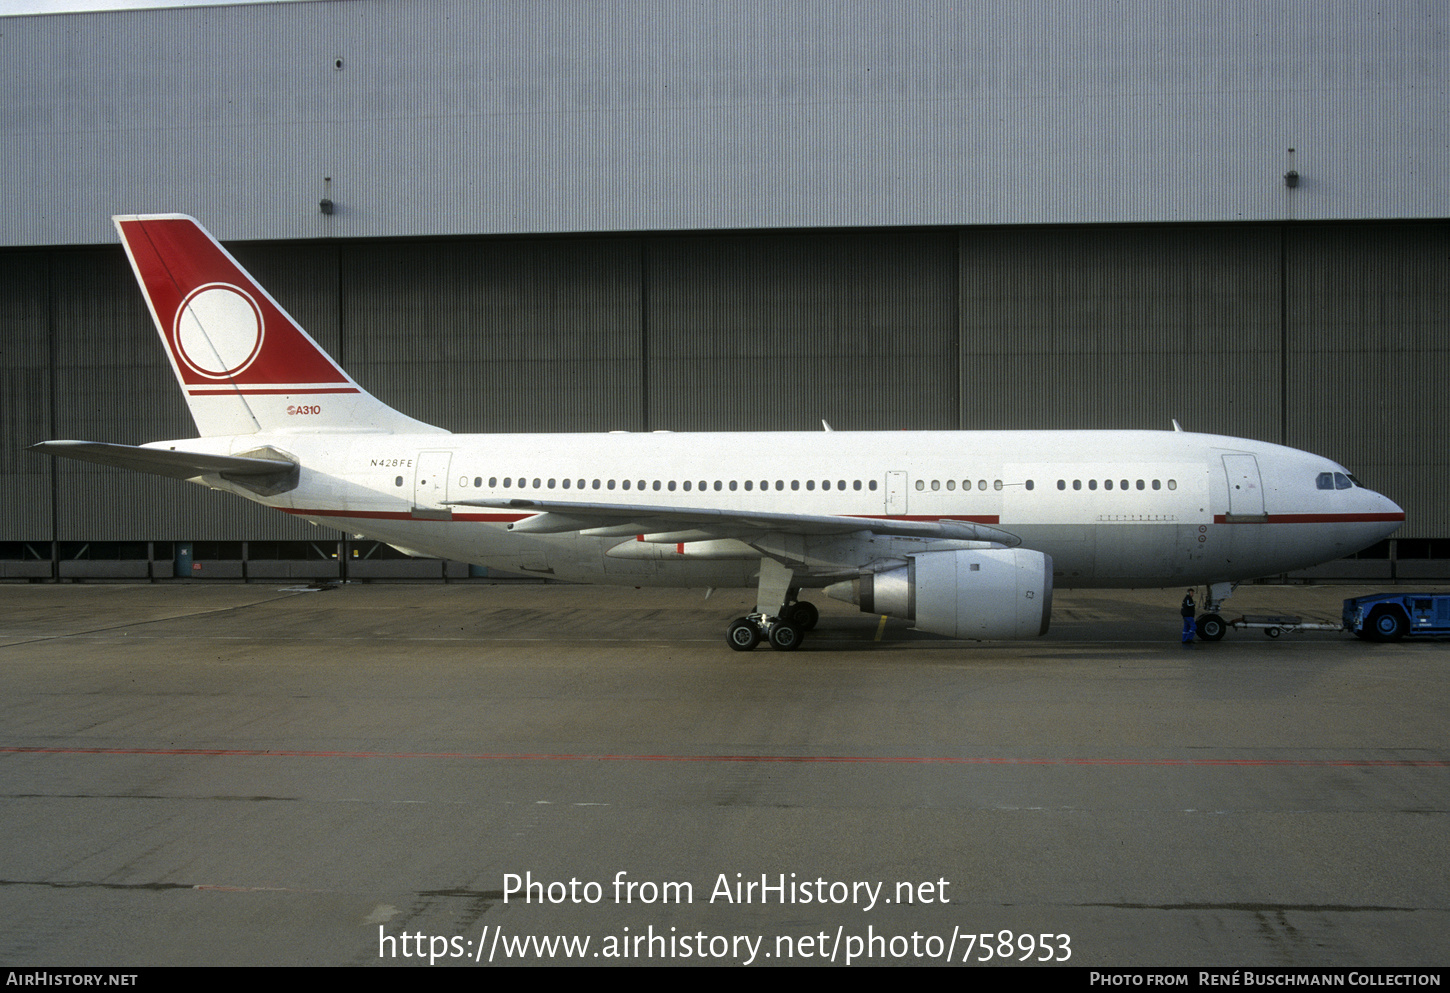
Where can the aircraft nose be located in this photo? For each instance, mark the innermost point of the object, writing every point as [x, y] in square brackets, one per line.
[1391, 513]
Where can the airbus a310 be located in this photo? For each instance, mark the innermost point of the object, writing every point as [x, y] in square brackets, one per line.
[964, 533]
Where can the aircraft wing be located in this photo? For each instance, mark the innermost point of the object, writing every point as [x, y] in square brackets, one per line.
[164, 462]
[670, 523]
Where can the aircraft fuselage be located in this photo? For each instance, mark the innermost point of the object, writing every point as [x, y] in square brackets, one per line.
[1112, 508]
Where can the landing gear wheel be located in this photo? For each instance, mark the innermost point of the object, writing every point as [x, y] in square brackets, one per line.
[804, 615]
[1271, 632]
[1211, 627]
[1387, 625]
[742, 635]
[785, 636]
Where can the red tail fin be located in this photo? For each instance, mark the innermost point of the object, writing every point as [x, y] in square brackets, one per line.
[244, 364]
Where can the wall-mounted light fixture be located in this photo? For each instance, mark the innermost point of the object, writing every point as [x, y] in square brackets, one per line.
[1291, 179]
[325, 204]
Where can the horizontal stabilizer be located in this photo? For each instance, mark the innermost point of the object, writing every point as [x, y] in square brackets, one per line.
[165, 461]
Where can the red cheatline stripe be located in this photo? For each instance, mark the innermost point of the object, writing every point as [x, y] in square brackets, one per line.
[460, 516]
[974, 518]
[858, 759]
[1321, 518]
[394, 515]
[229, 391]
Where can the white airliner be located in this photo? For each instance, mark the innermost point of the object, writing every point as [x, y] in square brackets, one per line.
[964, 533]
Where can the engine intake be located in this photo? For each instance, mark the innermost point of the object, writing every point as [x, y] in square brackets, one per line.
[987, 594]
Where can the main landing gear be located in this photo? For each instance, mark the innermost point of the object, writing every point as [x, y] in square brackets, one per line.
[786, 627]
[784, 631]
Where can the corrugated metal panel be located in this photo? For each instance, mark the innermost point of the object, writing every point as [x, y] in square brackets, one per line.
[25, 484]
[1056, 327]
[512, 116]
[1369, 359]
[1122, 328]
[776, 332]
[504, 335]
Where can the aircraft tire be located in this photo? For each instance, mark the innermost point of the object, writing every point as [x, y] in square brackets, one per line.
[1211, 627]
[804, 615]
[742, 635]
[785, 636]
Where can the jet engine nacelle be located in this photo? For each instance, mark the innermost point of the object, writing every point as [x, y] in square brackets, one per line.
[987, 594]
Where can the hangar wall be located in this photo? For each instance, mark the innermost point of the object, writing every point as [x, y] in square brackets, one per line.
[933, 214]
[1328, 337]
[513, 116]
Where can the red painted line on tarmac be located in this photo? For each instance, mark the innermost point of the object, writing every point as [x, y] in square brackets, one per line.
[847, 759]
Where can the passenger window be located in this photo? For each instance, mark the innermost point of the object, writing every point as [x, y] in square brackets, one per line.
[795, 484]
[1092, 484]
[996, 484]
[671, 487]
[609, 485]
[596, 485]
[506, 481]
[398, 481]
[857, 485]
[951, 484]
[732, 486]
[981, 484]
[1029, 484]
[921, 484]
[1157, 485]
[871, 485]
[1173, 484]
[1062, 484]
[748, 484]
[1107, 484]
[1077, 484]
[626, 484]
[717, 485]
[810, 485]
[492, 481]
[780, 484]
[936, 484]
[1140, 484]
[566, 484]
[657, 485]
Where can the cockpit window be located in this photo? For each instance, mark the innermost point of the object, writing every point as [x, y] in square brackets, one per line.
[1334, 481]
[1325, 481]
[1341, 481]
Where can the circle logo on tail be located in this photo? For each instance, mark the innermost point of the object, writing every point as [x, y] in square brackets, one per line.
[218, 330]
